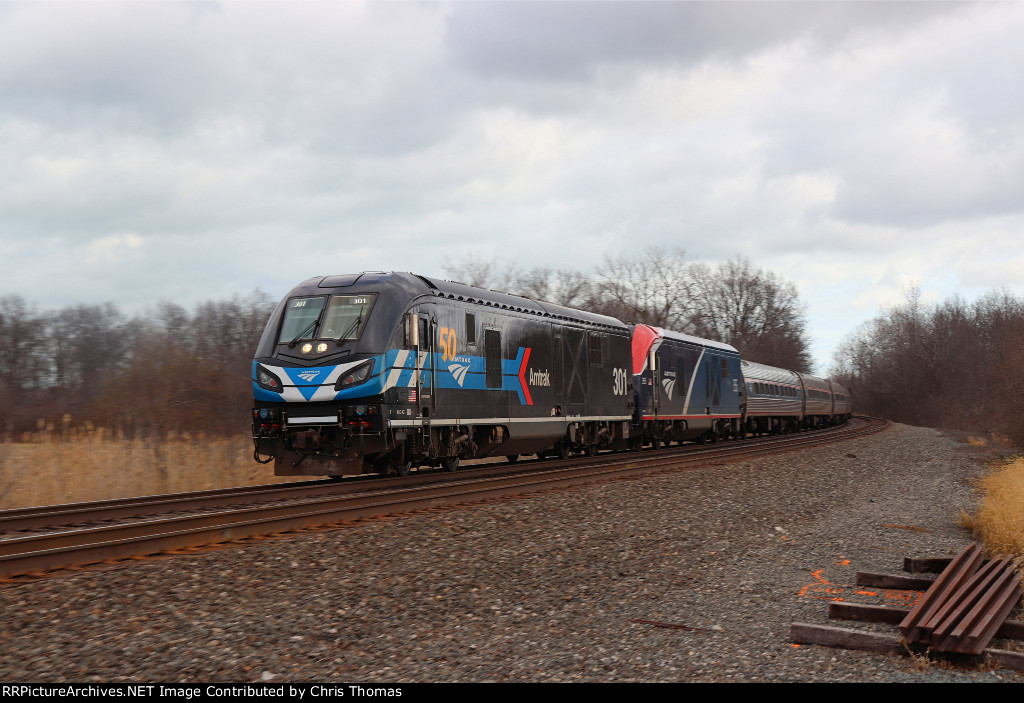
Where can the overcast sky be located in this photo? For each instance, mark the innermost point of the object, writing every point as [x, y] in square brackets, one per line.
[191, 151]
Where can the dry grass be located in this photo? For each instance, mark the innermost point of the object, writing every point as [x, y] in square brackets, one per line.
[71, 465]
[999, 522]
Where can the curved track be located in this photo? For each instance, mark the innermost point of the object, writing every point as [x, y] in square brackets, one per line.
[40, 539]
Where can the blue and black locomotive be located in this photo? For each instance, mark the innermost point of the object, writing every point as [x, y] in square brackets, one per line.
[381, 372]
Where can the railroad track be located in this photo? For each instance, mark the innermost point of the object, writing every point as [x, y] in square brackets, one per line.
[35, 540]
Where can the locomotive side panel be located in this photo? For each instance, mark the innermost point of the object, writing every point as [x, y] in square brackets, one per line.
[690, 391]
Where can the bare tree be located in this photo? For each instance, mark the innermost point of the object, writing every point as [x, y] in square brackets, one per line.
[23, 336]
[753, 310]
[475, 269]
[87, 342]
[572, 289]
[654, 287]
[953, 364]
[564, 286]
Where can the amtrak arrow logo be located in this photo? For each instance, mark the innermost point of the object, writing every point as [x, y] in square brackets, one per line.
[309, 376]
[669, 384]
[459, 372]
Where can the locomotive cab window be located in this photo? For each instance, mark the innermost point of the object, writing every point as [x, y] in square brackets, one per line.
[470, 328]
[344, 319]
[301, 319]
[346, 316]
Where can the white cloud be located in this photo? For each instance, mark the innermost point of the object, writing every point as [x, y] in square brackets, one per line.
[187, 151]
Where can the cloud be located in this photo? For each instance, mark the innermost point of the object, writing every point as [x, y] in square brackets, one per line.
[187, 150]
[570, 41]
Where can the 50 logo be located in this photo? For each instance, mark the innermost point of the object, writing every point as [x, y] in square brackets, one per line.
[446, 338]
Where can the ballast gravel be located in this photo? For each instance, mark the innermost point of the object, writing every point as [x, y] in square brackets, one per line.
[538, 589]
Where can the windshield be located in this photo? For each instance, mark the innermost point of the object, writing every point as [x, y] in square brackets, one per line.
[300, 319]
[345, 317]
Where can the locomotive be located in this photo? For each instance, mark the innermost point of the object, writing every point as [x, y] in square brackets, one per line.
[382, 372]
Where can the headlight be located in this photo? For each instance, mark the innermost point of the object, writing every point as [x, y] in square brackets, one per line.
[355, 376]
[268, 380]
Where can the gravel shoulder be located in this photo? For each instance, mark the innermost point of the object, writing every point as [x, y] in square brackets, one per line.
[537, 589]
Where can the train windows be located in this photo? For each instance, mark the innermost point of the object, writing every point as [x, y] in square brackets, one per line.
[346, 316]
[470, 328]
[301, 319]
[686, 362]
[492, 358]
[725, 368]
[411, 330]
[596, 357]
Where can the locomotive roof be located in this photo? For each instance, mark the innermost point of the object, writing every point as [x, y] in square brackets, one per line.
[415, 284]
[754, 370]
[700, 341]
[809, 380]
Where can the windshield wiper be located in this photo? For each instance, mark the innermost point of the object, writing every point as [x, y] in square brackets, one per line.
[352, 328]
[308, 328]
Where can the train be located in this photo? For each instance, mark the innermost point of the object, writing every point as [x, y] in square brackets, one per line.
[380, 372]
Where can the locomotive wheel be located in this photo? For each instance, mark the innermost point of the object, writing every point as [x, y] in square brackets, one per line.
[403, 468]
[512, 458]
[562, 450]
[450, 463]
[655, 444]
[591, 450]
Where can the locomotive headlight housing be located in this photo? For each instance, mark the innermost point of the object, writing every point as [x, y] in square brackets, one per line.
[268, 380]
[355, 375]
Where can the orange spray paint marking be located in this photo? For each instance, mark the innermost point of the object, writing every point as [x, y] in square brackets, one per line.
[907, 599]
[817, 575]
[826, 590]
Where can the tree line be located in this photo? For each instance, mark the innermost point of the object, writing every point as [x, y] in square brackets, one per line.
[955, 364]
[734, 302]
[169, 369]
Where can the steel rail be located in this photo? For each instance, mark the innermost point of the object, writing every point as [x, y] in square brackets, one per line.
[31, 553]
[24, 519]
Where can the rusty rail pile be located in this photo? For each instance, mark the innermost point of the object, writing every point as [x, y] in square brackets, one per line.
[961, 612]
[963, 609]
